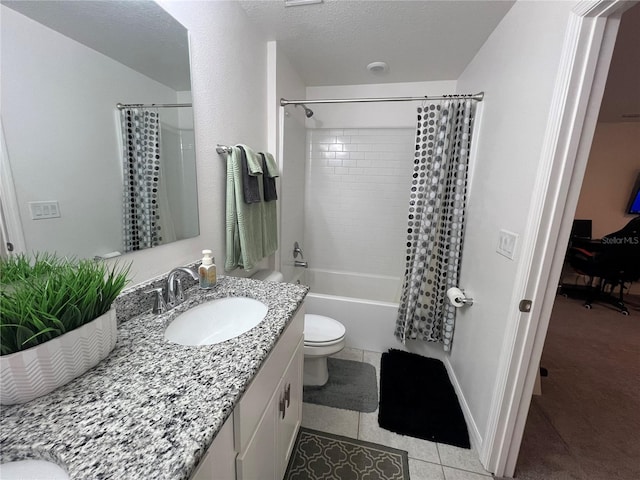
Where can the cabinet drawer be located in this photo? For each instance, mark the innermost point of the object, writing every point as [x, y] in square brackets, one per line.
[249, 411]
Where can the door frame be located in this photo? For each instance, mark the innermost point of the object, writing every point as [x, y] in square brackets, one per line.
[9, 208]
[584, 65]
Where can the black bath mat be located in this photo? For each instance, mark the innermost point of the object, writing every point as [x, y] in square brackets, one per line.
[351, 386]
[417, 399]
[322, 456]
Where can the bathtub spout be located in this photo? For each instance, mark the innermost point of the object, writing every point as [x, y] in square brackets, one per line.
[298, 263]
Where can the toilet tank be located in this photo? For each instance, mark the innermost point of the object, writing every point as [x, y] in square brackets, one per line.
[268, 275]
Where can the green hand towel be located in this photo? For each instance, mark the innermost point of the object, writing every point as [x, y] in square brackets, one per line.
[244, 221]
[270, 212]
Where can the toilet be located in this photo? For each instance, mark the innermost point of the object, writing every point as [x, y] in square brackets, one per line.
[323, 336]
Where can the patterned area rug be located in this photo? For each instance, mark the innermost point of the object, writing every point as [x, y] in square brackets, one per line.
[324, 456]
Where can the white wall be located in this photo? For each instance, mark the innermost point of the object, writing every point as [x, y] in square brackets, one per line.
[358, 183]
[614, 164]
[292, 163]
[516, 68]
[62, 134]
[372, 115]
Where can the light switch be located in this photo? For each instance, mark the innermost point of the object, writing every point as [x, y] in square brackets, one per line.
[42, 210]
[507, 244]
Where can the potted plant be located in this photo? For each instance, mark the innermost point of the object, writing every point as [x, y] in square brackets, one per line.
[56, 321]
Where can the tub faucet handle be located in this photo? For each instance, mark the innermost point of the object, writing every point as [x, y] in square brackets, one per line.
[297, 251]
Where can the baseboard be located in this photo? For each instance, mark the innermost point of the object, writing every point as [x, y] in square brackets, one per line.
[474, 433]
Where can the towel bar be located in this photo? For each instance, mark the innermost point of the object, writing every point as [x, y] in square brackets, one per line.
[223, 149]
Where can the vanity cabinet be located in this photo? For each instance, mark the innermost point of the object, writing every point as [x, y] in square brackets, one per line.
[267, 419]
[256, 442]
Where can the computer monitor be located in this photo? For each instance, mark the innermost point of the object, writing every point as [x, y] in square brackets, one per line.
[634, 201]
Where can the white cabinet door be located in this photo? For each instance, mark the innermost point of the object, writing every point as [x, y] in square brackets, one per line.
[259, 459]
[219, 460]
[288, 423]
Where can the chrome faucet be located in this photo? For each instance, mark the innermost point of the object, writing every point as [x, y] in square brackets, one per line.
[297, 251]
[175, 295]
[298, 263]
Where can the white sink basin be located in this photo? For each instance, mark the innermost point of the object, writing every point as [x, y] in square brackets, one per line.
[32, 470]
[216, 321]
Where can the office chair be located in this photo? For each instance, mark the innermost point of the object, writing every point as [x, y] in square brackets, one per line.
[614, 263]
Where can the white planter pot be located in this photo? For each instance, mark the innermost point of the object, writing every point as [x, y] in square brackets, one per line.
[41, 369]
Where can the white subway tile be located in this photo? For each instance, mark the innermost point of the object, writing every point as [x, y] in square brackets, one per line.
[335, 147]
[341, 171]
[350, 147]
[343, 155]
[343, 139]
[356, 171]
[351, 131]
[356, 155]
[332, 162]
[324, 139]
[327, 155]
[349, 163]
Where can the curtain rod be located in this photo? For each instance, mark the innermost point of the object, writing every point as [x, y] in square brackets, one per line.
[476, 96]
[120, 106]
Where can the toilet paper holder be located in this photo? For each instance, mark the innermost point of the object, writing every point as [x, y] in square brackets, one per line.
[457, 298]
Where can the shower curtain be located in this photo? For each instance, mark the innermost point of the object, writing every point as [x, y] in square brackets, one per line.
[141, 157]
[436, 221]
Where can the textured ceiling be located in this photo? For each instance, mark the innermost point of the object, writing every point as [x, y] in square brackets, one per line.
[331, 43]
[138, 34]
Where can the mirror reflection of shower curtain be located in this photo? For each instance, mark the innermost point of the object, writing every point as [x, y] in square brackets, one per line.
[166, 222]
[141, 163]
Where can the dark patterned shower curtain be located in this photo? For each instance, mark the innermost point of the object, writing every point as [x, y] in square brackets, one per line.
[141, 141]
[436, 221]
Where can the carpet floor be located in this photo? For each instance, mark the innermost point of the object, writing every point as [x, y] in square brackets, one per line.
[351, 386]
[418, 399]
[585, 424]
[324, 456]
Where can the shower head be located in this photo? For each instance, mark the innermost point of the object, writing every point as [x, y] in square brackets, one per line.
[307, 111]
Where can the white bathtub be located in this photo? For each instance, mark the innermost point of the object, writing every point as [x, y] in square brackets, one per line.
[367, 305]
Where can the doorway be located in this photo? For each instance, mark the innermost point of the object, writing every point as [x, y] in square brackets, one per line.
[585, 423]
[589, 42]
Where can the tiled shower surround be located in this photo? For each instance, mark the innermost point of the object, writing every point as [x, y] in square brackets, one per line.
[357, 188]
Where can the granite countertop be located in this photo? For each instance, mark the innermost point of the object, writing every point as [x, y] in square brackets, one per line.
[152, 408]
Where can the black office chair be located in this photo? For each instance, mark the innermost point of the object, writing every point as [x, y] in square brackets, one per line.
[614, 263]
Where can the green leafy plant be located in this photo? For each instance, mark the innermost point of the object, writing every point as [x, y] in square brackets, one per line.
[49, 296]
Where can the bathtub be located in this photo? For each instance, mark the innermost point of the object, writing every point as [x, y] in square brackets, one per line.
[367, 305]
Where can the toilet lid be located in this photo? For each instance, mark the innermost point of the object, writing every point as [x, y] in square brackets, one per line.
[319, 329]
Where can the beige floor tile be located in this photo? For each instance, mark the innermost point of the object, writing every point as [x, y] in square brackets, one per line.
[462, 458]
[373, 358]
[418, 449]
[455, 474]
[419, 470]
[354, 354]
[330, 420]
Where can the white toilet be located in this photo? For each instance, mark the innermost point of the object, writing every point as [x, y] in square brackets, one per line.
[323, 336]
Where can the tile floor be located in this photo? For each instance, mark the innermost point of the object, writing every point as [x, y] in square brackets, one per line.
[427, 460]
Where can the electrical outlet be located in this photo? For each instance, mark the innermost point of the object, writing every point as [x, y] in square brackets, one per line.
[507, 244]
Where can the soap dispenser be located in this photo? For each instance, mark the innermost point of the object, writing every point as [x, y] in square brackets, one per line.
[207, 270]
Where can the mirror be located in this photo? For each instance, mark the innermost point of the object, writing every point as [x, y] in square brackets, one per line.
[91, 179]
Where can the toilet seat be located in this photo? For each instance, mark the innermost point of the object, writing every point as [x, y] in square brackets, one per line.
[321, 331]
